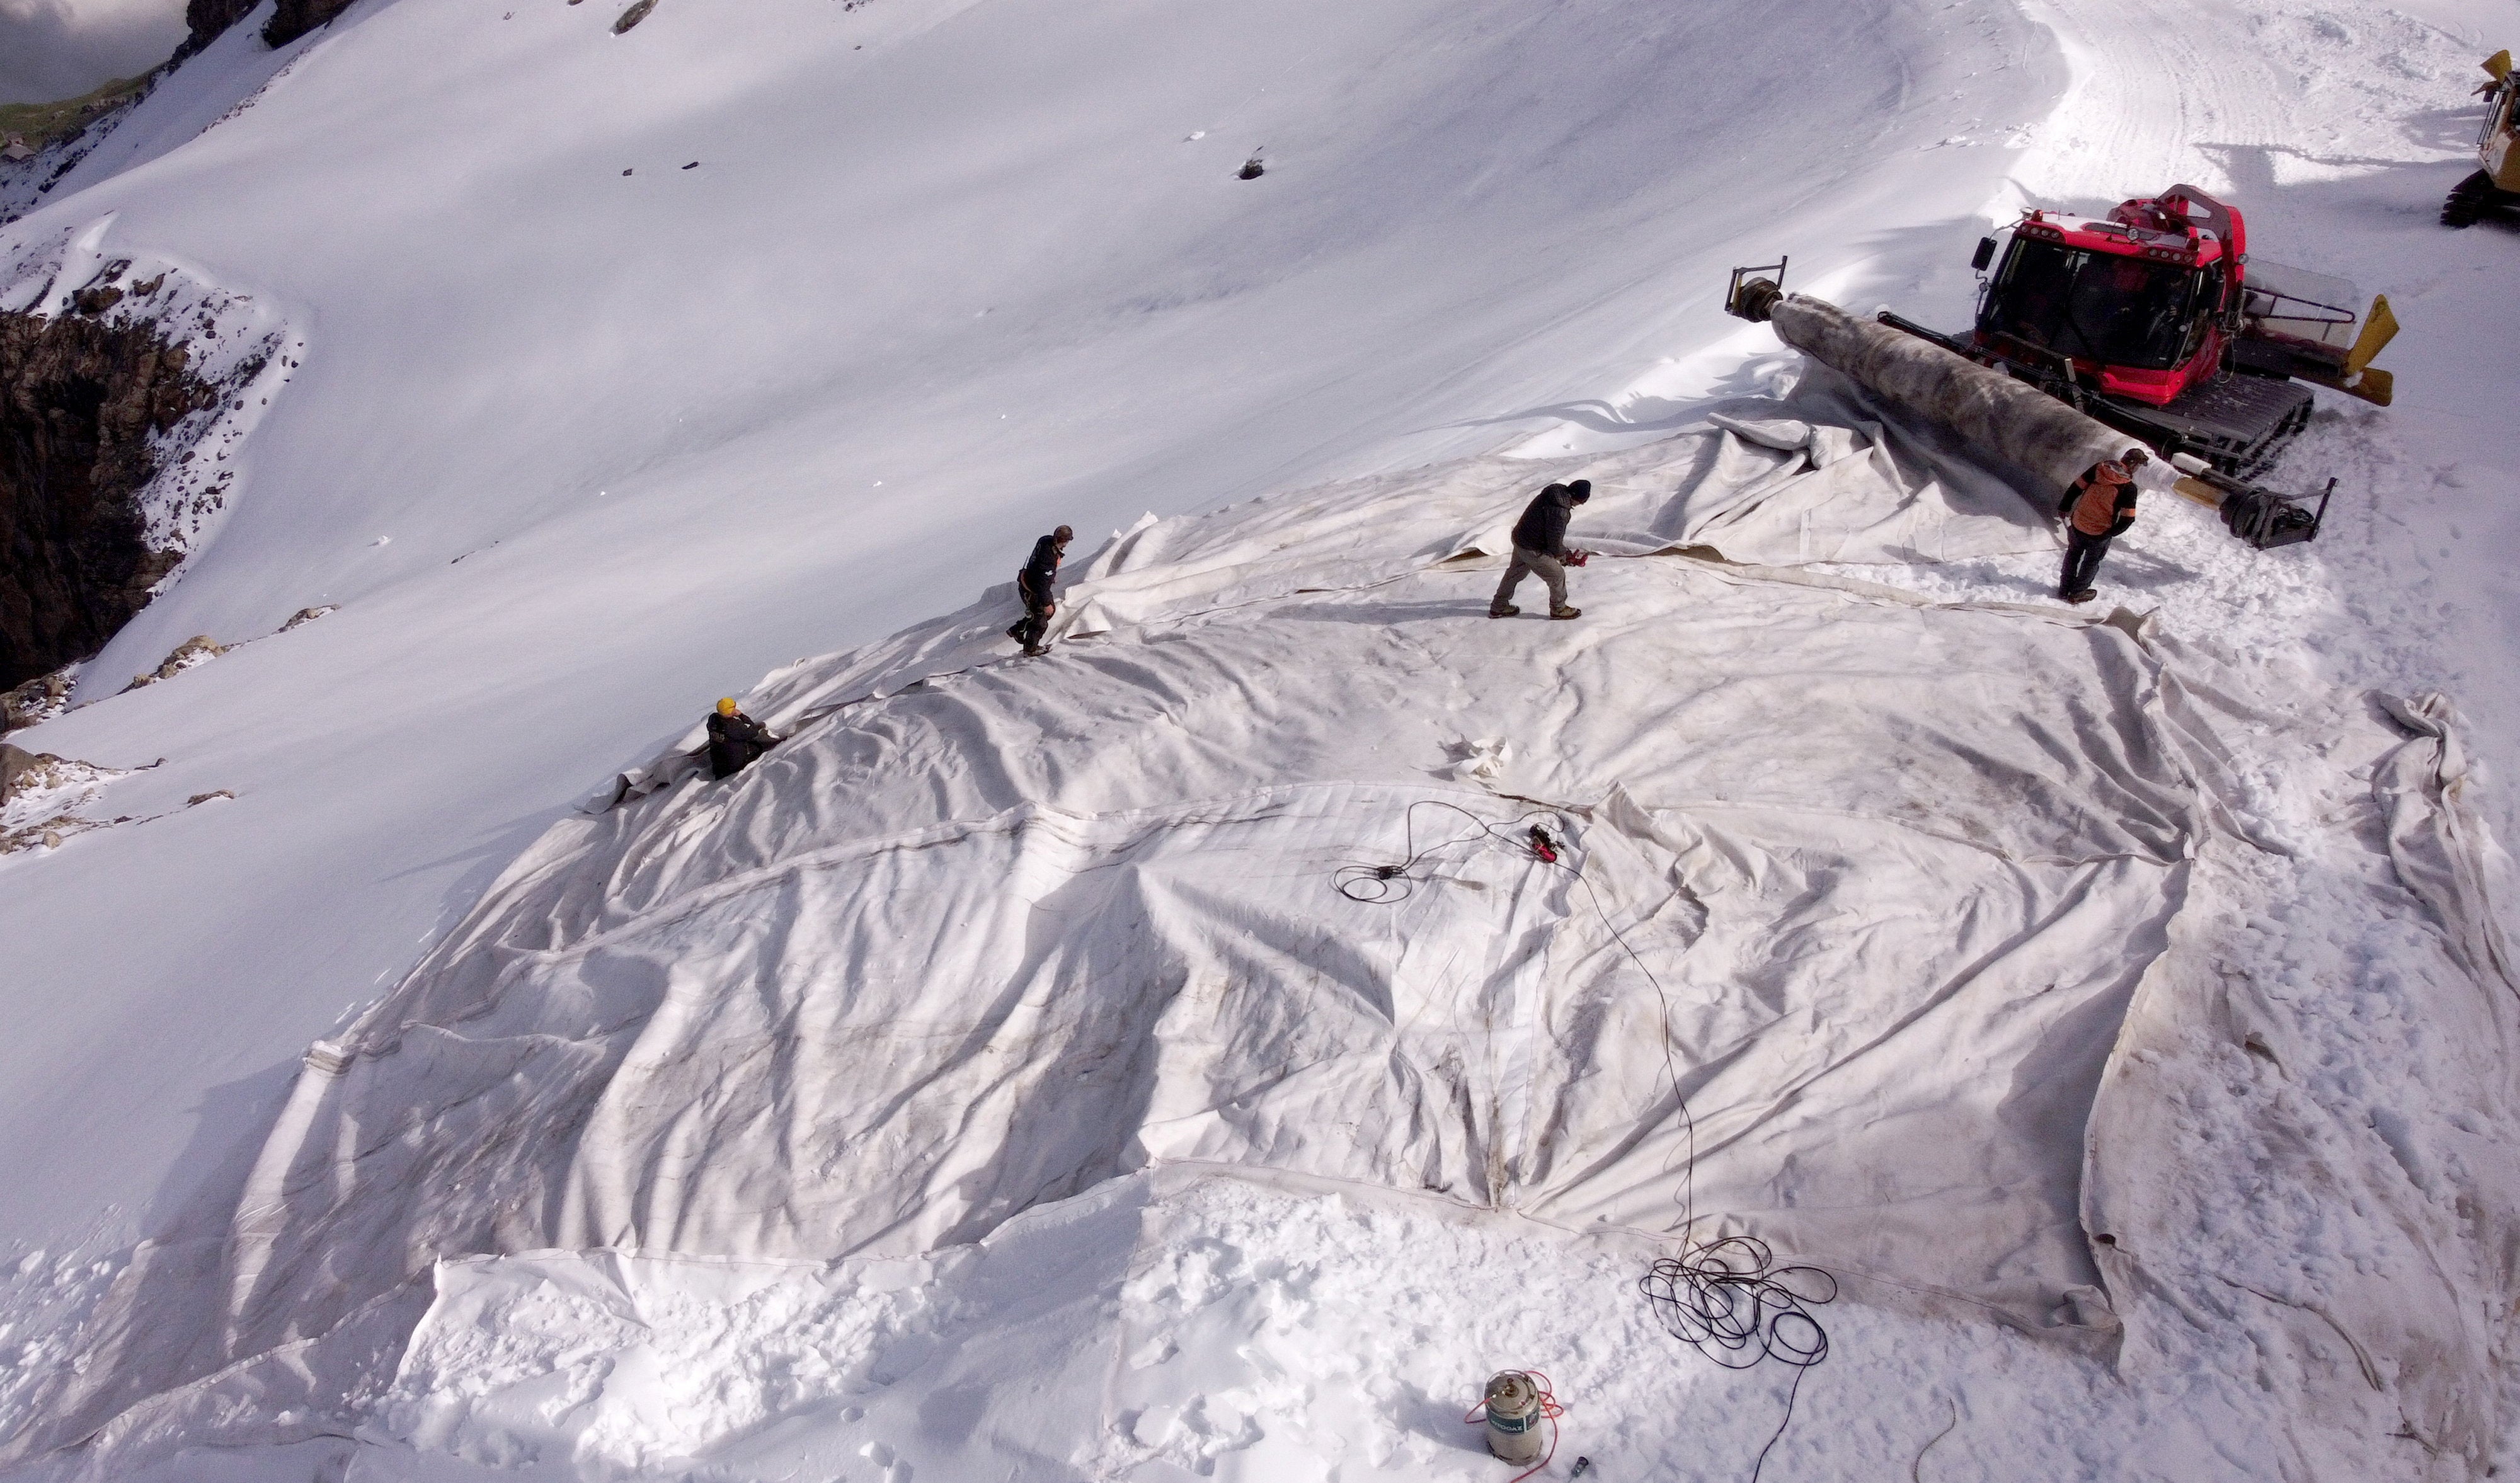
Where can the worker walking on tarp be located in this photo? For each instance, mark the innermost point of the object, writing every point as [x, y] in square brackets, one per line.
[734, 740]
[1539, 545]
[2097, 510]
[1035, 584]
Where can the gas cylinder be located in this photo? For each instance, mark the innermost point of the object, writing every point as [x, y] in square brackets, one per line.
[1514, 1417]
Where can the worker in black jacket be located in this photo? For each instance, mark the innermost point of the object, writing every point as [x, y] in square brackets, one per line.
[1035, 584]
[734, 740]
[1539, 545]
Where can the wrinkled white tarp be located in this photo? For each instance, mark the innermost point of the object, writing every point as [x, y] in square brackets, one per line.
[1010, 933]
[1813, 476]
[2412, 1317]
[1869, 882]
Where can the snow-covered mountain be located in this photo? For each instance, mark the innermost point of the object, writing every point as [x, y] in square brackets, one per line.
[995, 1082]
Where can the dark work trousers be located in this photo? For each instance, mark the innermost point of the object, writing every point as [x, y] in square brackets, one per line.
[1032, 625]
[2083, 555]
[729, 755]
[1551, 572]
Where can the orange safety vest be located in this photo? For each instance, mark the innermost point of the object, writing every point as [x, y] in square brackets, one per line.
[2095, 497]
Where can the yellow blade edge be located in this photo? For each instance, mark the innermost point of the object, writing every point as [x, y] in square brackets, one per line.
[2498, 66]
[2374, 385]
[2201, 492]
[2379, 327]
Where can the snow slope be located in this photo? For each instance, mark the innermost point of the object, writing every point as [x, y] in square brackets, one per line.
[576, 453]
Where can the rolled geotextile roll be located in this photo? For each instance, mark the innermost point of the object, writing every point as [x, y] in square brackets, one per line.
[2004, 416]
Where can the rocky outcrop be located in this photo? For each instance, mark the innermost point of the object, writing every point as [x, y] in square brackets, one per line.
[79, 400]
[294, 18]
[42, 796]
[200, 648]
[207, 20]
[22, 771]
[36, 701]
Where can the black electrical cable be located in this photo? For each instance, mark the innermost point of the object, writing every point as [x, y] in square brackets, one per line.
[1727, 1298]
[1374, 885]
[1730, 1300]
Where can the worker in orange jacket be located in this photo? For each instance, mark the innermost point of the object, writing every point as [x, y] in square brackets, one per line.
[2098, 508]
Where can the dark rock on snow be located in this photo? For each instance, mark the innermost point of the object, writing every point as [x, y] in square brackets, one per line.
[21, 768]
[80, 399]
[207, 20]
[294, 18]
[36, 701]
[200, 648]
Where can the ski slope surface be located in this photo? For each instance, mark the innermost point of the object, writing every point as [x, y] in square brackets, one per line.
[1169, 1058]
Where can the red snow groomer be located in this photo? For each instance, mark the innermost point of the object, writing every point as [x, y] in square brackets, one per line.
[2155, 321]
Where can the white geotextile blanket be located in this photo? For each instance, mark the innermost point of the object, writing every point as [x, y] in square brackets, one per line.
[1855, 895]
[1811, 477]
[1888, 871]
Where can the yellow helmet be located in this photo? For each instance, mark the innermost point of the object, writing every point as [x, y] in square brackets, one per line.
[726, 705]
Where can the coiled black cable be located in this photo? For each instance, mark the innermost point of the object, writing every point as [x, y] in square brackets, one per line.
[1727, 1298]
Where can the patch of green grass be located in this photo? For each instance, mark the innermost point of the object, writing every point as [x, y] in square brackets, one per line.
[40, 123]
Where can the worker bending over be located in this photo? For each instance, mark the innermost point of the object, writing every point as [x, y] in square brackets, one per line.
[1539, 545]
[734, 740]
[2097, 510]
[1035, 584]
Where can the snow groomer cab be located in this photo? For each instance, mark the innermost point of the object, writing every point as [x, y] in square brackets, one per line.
[2155, 321]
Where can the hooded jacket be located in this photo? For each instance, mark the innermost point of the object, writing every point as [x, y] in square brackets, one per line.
[1542, 527]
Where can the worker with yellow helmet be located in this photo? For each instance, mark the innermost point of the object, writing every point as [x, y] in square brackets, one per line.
[734, 740]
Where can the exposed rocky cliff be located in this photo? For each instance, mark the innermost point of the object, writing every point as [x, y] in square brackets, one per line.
[291, 19]
[294, 18]
[79, 401]
[207, 20]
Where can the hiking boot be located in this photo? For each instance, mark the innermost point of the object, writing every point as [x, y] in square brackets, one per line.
[2083, 596]
[1562, 611]
[1502, 610]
